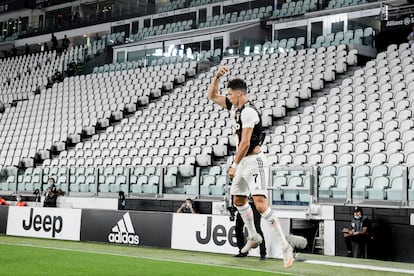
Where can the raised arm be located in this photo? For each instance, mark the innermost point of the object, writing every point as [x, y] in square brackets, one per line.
[213, 90]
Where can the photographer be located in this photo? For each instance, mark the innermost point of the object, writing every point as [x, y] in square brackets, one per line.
[187, 207]
[51, 194]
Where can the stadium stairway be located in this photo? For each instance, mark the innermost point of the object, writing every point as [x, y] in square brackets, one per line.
[100, 60]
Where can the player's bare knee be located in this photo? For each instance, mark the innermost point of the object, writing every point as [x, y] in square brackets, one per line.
[261, 203]
[239, 200]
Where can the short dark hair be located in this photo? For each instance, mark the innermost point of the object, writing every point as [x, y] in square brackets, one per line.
[237, 84]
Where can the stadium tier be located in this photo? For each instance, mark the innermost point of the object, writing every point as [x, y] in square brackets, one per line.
[294, 8]
[181, 129]
[123, 113]
[23, 75]
[179, 4]
[359, 36]
[180, 26]
[146, 126]
[360, 133]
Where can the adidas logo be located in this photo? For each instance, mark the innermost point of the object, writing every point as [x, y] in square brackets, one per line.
[123, 232]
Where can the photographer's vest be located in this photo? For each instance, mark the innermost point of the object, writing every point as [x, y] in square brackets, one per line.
[257, 135]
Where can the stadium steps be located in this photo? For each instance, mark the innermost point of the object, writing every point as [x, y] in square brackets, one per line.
[100, 60]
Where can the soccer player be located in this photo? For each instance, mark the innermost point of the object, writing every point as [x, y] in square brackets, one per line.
[249, 170]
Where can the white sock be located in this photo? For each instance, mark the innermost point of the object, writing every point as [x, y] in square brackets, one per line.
[271, 218]
[246, 213]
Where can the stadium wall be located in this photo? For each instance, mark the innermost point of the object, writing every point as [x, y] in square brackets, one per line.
[4, 211]
[394, 232]
[133, 228]
[195, 232]
[51, 223]
[88, 203]
[165, 205]
[216, 234]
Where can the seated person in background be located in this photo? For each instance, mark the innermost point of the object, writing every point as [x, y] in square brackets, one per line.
[80, 66]
[20, 202]
[57, 77]
[3, 202]
[358, 232]
[187, 207]
[72, 68]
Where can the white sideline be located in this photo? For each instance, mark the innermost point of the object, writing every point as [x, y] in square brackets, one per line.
[361, 266]
[148, 258]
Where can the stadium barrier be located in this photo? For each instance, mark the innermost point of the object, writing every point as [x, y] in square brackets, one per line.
[216, 234]
[122, 227]
[194, 232]
[51, 223]
[4, 211]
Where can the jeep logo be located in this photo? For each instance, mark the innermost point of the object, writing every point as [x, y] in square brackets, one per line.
[47, 224]
[219, 234]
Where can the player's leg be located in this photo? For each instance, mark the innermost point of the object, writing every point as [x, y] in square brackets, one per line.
[240, 190]
[273, 221]
[348, 243]
[257, 222]
[246, 213]
[239, 234]
[258, 180]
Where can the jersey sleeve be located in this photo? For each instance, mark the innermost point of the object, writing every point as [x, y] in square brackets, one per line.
[249, 117]
[228, 104]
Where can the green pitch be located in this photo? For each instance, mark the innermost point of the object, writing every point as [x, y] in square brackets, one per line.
[27, 256]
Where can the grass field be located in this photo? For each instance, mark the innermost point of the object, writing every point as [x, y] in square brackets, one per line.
[28, 256]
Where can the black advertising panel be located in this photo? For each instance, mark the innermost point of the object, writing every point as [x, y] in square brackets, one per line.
[398, 22]
[4, 211]
[131, 228]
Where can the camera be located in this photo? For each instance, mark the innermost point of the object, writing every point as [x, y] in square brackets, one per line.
[232, 210]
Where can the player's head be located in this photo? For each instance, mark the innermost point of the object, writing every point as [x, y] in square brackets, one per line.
[237, 91]
[357, 212]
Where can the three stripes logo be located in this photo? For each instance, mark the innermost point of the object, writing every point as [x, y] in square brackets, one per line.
[124, 232]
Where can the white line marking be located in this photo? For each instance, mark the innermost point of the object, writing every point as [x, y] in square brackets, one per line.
[361, 266]
[148, 258]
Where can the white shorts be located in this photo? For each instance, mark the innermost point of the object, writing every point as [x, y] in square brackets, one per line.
[252, 176]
